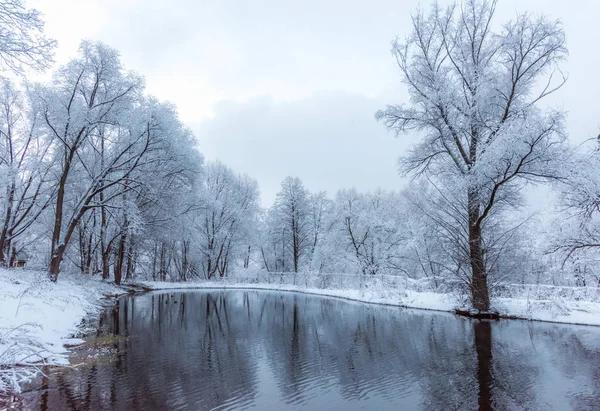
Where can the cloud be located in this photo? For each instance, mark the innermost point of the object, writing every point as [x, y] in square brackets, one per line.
[197, 53]
[330, 140]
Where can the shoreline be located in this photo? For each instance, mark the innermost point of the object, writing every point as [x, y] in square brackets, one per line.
[97, 295]
[462, 312]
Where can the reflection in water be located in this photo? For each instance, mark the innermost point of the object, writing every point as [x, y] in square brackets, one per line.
[237, 349]
[483, 347]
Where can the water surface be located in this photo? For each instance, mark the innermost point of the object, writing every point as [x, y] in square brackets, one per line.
[202, 350]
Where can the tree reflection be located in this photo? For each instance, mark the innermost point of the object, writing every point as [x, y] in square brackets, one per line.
[483, 347]
[204, 350]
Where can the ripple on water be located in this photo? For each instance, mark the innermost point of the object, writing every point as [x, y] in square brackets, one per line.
[231, 350]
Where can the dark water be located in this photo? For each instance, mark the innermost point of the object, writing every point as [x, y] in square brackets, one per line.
[257, 350]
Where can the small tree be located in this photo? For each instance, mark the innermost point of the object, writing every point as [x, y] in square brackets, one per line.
[230, 211]
[371, 229]
[473, 97]
[290, 225]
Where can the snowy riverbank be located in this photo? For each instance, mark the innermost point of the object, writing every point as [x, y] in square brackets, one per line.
[38, 318]
[534, 304]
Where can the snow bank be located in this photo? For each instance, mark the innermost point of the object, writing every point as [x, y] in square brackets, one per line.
[401, 298]
[38, 317]
[555, 311]
[540, 306]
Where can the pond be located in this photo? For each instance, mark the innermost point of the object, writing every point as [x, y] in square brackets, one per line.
[202, 350]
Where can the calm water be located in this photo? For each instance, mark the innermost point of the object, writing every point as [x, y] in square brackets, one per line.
[203, 350]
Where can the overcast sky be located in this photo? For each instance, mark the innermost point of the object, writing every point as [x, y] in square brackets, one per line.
[275, 87]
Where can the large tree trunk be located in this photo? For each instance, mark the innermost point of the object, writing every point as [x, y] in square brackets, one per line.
[55, 260]
[479, 289]
[57, 249]
[13, 257]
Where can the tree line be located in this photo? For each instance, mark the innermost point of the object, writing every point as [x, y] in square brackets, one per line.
[98, 176]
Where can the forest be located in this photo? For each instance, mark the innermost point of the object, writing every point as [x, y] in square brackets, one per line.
[113, 208]
[100, 178]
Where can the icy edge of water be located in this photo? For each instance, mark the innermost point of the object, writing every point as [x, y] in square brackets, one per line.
[39, 317]
[563, 312]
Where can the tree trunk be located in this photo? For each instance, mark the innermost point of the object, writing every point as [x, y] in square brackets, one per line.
[83, 250]
[2, 253]
[13, 257]
[105, 250]
[154, 258]
[162, 275]
[247, 258]
[57, 249]
[9, 257]
[184, 261]
[295, 245]
[120, 256]
[55, 260]
[106, 264]
[88, 263]
[130, 260]
[4, 249]
[479, 289]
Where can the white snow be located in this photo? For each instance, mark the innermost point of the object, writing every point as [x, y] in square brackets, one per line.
[543, 305]
[566, 312]
[401, 298]
[38, 317]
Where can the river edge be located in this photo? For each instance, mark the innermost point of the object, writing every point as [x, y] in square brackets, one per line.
[429, 302]
[42, 322]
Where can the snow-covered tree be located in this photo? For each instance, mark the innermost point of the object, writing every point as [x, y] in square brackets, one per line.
[290, 226]
[574, 234]
[228, 220]
[168, 201]
[321, 209]
[22, 40]
[24, 170]
[101, 132]
[372, 229]
[474, 99]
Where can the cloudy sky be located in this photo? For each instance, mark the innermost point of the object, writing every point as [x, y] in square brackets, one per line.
[276, 87]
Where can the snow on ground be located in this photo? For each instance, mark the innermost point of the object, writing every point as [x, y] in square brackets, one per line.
[38, 317]
[402, 298]
[536, 307]
[565, 312]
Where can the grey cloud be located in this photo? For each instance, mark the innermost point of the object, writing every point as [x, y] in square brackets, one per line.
[198, 52]
[329, 140]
